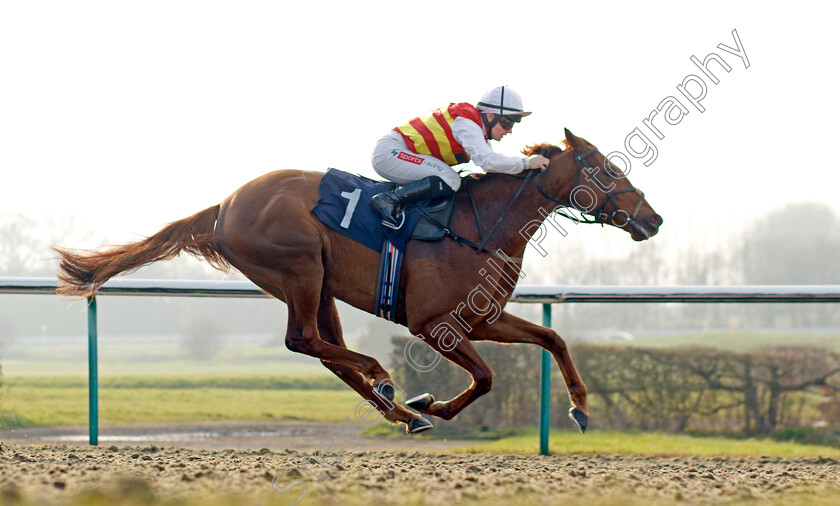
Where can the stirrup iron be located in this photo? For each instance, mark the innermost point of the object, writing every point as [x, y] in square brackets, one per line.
[390, 225]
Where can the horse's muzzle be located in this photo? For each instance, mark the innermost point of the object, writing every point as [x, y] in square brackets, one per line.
[645, 228]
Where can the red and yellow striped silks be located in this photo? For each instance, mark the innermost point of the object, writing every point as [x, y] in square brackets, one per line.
[432, 135]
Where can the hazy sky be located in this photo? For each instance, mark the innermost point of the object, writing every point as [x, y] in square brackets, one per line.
[129, 115]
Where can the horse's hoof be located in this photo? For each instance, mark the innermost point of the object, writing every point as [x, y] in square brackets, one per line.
[385, 390]
[580, 419]
[420, 402]
[418, 425]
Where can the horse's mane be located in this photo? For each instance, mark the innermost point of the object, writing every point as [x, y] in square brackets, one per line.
[476, 178]
[546, 149]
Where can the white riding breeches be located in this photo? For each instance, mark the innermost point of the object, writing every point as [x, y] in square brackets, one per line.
[393, 160]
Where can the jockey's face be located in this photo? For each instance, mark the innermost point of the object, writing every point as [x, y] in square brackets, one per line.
[498, 131]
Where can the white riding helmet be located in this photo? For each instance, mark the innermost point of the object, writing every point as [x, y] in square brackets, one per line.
[502, 101]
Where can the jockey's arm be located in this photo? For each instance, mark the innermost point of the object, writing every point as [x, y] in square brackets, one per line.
[470, 135]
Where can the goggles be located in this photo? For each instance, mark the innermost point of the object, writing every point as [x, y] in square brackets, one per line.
[507, 122]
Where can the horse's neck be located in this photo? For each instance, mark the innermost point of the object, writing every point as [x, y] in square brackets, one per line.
[520, 222]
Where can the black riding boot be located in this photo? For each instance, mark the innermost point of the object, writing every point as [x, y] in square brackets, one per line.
[388, 204]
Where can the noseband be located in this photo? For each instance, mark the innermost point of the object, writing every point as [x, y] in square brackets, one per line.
[599, 215]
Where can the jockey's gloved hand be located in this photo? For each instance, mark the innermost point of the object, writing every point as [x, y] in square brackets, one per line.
[537, 162]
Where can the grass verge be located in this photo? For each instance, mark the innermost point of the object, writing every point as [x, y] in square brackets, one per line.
[44, 401]
[648, 443]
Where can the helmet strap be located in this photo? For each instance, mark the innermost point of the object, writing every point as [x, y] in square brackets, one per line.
[489, 124]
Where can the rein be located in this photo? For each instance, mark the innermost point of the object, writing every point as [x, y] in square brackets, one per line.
[504, 213]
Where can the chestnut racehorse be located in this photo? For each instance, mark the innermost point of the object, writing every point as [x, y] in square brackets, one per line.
[267, 231]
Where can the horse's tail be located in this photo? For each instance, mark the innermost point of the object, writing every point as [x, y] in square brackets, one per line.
[83, 272]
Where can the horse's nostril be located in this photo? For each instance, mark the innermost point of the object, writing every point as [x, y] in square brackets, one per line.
[655, 220]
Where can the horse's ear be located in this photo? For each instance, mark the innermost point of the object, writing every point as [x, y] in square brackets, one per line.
[570, 138]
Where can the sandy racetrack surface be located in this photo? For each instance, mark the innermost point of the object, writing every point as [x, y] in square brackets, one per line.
[59, 474]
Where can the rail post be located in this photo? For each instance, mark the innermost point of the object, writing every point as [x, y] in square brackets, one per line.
[545, 387]
[93, 376]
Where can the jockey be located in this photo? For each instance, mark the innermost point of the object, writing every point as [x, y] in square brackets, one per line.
[420, 154]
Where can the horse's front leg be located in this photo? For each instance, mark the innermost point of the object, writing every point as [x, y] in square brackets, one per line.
[461, 352]
[510, 329]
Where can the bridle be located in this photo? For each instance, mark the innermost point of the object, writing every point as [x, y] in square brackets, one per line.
[599, 215]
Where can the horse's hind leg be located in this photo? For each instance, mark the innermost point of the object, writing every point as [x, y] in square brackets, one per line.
[295, 275]
[297, 281]
[329, 327]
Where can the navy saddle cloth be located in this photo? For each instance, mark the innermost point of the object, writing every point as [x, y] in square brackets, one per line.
[344, 205]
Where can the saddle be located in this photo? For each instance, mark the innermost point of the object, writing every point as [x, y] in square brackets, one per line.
[436, 216]
[344, 206]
